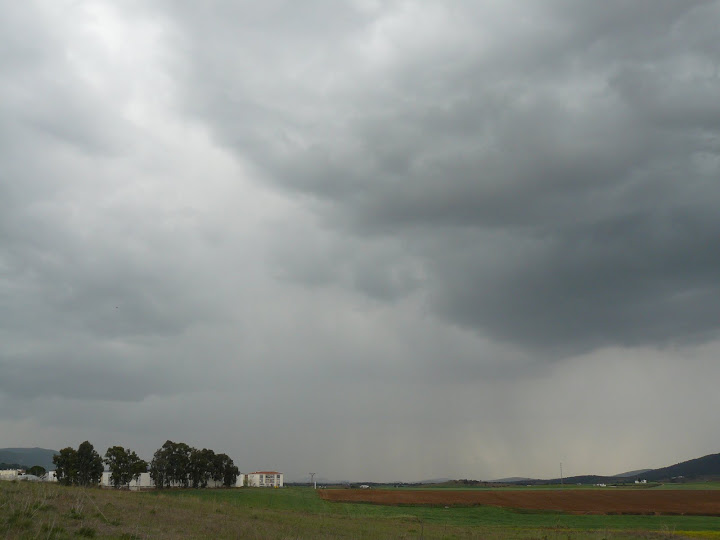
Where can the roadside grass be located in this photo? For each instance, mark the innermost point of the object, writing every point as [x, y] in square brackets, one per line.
[49, 511]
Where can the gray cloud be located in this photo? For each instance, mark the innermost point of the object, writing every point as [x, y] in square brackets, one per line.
[559, 188]
[395, 228]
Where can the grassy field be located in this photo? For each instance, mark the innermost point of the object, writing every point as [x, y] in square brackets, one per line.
[50, 511]
[653, 485]
[304, 500]
[523, 487]
[691, 485]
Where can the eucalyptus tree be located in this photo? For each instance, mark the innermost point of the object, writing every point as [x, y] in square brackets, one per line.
[225, 470]
[201, 467]
[170, 465]
[124, 465]
[81, 467]
[89, 465]
[66, 466]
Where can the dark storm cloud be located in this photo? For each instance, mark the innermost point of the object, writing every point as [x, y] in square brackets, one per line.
[360, 230]
[553, 165]
[646, 278]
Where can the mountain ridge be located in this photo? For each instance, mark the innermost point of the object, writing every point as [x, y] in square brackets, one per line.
[27, 457]
[702, 468]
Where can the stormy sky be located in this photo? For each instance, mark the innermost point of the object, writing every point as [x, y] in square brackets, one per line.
[373, 240]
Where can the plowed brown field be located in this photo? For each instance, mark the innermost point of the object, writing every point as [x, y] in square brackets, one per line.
[601, 501]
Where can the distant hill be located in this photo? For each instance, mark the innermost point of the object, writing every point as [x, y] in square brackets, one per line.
[511, 480]
[28, 457]
[630, 474]
[694, 469]
[706, 467]
[431, 481]
[584, 479]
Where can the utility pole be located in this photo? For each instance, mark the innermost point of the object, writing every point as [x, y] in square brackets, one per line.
[312, 480]
[561, 476]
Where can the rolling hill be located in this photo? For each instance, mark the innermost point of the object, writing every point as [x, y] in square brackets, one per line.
[28, 457]
[703, 468]
[695, 469]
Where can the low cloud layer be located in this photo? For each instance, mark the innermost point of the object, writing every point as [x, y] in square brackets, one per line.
[347, 224]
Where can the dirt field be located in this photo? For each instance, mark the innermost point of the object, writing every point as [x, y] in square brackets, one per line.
[601, 501]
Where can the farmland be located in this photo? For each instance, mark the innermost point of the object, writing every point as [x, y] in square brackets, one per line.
[52, 511]
[605, 501]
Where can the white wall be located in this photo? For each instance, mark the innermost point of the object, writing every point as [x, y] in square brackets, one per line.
[274, 479]
[145, 482]
[9, 474]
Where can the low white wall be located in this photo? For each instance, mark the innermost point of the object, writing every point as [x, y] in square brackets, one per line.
[9, 474]
[263, 479]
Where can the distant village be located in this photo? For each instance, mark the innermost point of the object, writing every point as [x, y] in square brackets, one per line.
[269, 479]
[174, 465]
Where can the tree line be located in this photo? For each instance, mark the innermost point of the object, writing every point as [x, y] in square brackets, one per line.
[177, 464]
[173, 465]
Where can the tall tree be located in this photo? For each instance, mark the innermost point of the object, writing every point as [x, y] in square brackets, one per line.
[201, 467]
[226, 470]
[89, 465]
[159, 468]
[116, 459]
[124, 465]
[66, 466]
[179, 460]
[137, 466]
[37, 470]
[171, 465]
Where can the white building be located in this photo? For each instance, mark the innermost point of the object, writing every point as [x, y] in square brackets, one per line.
[262, 479]
[10, 474]
[272, 479]
[142, 482]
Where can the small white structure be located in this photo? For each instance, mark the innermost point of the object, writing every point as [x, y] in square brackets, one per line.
[272, 479]
[142, 482]
[10, 474]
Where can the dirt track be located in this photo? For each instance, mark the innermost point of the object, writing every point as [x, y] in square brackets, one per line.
[600, 501]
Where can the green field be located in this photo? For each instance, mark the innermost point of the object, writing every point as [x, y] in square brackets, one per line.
[691, 485]
[304, 500]
[52, 511]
